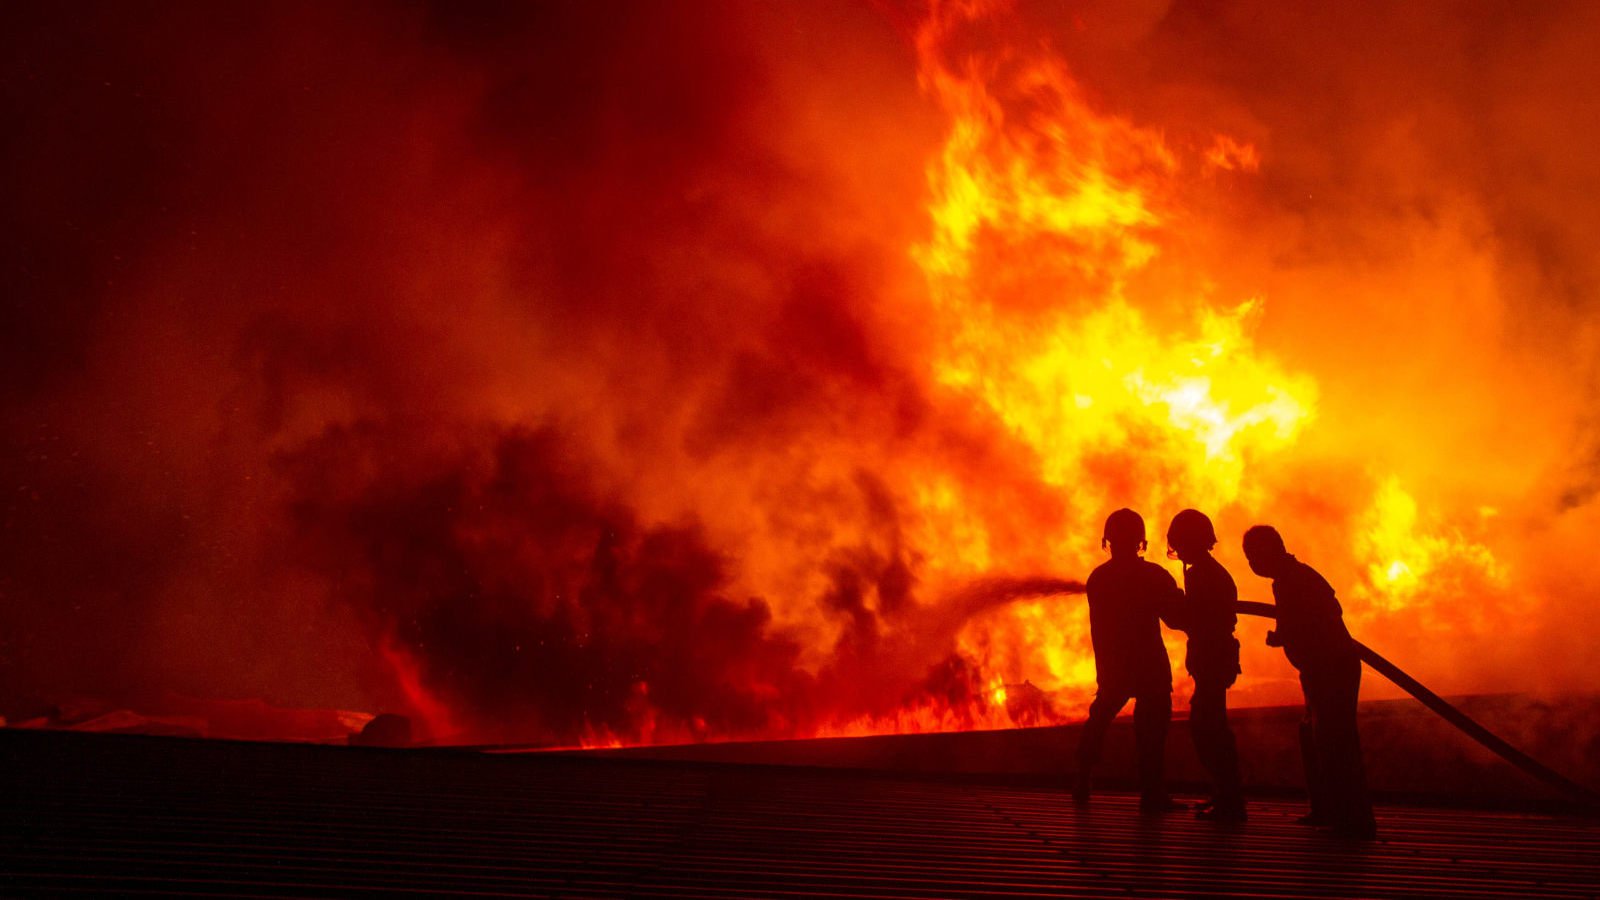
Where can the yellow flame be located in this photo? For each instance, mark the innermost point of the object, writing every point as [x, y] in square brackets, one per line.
[1042, 210]
[997, 691]
[1408, 562]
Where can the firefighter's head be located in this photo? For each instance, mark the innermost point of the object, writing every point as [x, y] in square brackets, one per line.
[1124, 533]
[1263, 548]
[1190, 536]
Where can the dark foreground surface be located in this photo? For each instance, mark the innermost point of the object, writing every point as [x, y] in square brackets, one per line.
[127, 815]
[1412, 756]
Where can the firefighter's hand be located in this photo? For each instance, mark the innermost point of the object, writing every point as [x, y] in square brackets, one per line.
[1273, 640]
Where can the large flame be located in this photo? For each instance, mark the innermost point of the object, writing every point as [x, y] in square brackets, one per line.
[769, 373]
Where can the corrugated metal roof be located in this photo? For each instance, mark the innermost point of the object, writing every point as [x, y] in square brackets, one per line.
[125, 815]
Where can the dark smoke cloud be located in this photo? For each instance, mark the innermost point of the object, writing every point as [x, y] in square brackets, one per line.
[547, 612]
[262, 260]
[543, 611]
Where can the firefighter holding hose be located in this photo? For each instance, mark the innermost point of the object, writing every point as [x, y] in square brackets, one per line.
[1127, 595]
[1313, 636]
[1207, 616]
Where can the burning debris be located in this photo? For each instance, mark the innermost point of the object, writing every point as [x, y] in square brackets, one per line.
[385, 730]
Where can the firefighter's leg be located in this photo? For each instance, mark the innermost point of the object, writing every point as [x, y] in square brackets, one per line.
[1339, 751]
[1092, 740]
[1315, 784]
[1152, 713]
[1214, 743]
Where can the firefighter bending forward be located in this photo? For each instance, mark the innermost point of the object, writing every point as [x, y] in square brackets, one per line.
[1312, 634]
[1127, 595]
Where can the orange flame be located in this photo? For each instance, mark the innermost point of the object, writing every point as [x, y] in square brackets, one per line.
[1045, 212]
[737, 396]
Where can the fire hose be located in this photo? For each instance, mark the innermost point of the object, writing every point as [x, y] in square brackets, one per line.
[1572, 790]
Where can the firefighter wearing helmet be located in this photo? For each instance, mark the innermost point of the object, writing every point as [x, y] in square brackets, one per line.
[1127, 595]
[1207, 617]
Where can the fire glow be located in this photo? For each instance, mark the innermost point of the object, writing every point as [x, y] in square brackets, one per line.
[658, 414]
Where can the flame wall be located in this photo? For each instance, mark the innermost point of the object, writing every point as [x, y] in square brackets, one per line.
[574, 374]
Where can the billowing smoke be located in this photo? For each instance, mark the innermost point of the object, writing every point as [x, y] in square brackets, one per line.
[572, 372]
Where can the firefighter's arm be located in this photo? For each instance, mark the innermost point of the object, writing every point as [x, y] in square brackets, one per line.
[1269, 610]
[1173, 608]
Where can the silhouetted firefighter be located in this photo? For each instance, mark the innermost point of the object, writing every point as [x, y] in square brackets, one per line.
[1312, 634]
[1126, 597]
[1207, 616]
